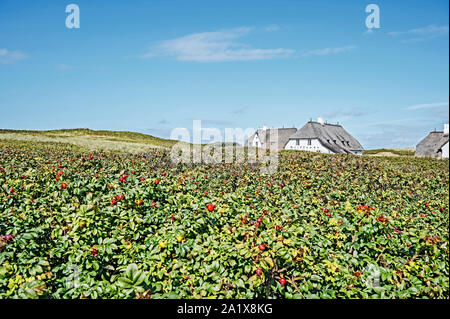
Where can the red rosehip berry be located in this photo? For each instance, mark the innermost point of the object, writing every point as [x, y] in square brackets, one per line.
[210, 207]
[262, 247]
[282, 281]
[259, 271]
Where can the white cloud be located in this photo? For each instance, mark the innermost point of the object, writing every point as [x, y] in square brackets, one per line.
[163, 121]
[216, 46]
[272, 28]
[217, 122]
[9, 57]
[352, 112]
[422, 34]
[64, 67]
[427, 105]
[222, 46]
[67, 67]
[328, 51]
[394, 134]
[240, 110]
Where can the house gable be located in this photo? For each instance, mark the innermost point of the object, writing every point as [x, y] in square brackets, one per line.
[271, 138]
[445, 150]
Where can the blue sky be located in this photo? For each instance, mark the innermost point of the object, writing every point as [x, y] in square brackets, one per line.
[151, 66]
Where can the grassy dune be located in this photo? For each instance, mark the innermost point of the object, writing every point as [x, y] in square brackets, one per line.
[90, 139]
[391, 152]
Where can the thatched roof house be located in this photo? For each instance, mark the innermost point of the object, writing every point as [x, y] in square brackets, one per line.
[271, 137]
[313, 136]
[325, 138]
[434, 145]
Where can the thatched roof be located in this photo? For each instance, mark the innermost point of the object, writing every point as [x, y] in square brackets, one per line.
[432, 144]
[269, 136]
[331, 136]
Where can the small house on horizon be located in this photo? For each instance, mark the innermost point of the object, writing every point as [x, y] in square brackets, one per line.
[324, 138]
[435, 145]
[270, 137]
[313, 136]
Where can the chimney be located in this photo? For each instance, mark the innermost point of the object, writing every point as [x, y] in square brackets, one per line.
[320, 120]
[264, 127]
[446, 129]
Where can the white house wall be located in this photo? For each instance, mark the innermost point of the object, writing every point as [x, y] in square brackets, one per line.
[445, 150]
[315, 146]
[256, 142]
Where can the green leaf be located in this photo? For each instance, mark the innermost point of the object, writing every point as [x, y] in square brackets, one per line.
[124, 282]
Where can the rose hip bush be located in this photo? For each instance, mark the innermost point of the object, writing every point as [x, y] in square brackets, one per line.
[108, 225]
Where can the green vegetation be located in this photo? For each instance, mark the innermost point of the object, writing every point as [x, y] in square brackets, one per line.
[91, 224]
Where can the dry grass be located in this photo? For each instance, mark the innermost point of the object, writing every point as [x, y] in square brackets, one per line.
[89, 142]
[384, 154]
[122, 136]
[391, 152]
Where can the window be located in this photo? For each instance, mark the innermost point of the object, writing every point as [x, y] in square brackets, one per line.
[309, 141]
[297, 142]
